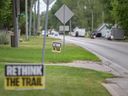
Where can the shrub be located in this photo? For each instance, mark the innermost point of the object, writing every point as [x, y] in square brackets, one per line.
[4, 38]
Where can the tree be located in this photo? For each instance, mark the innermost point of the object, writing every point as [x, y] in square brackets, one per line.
[120, 13]
[82, 17]
[107, 8]
[5, 13]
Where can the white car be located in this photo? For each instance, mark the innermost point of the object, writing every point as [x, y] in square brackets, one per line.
[78, 32]
[43, 32]
[108, 35]
[54, 33]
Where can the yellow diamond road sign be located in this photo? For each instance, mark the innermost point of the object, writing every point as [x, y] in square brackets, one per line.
[64, 14]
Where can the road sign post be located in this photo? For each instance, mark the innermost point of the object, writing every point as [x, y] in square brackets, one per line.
[47, 2]
[64, 14]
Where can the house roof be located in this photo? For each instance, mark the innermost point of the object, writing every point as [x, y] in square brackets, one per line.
[102, 26]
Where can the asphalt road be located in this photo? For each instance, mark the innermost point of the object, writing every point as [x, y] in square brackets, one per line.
[113, 52]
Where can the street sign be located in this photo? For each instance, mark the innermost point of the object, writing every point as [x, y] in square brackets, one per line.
[21, 77]
[61, 28]
[50, 1]
[56, 47]
[64, 14]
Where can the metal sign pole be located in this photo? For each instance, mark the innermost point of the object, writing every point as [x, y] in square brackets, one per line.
[64, 36]
[64, 27]
[64, 14]
[46, 29]
[26, 12]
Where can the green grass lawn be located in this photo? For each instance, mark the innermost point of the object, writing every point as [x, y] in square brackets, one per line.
[60, 81]
[31, 51]
[64, 81]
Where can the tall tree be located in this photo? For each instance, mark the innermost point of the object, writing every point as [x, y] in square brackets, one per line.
[107, 8]
[120, 13]
[5, 13]
[83, 17]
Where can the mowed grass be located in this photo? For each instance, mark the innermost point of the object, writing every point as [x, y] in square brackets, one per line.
[31, 51]
[60, 81]
[65, 81]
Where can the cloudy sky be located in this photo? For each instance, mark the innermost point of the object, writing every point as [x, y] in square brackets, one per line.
[43, 6]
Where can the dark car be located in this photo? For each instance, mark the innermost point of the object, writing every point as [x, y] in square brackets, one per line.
[93, 35]
[98, 35]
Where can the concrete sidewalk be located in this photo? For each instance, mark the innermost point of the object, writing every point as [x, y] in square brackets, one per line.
[98, 66]
[117, 86]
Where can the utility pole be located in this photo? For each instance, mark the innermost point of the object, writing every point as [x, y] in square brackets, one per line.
[70, 26]
[92, 20]
[102, 16]
[92, 13]
[26, 12]
[46, 30]
[15, 36]
[91, 4]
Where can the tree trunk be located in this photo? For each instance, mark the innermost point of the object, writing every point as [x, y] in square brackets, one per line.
[38, 17]
[15, 34]
[30, 18]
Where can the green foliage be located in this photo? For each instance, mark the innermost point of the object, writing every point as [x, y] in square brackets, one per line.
[32, 52]
[5, 13]
[64, 81]
[107, 8]
[120, 13]
[82, 16]
[53, 21]
[4, 38]
[22, 23]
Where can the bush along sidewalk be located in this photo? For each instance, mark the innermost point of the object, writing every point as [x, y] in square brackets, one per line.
[4, 37]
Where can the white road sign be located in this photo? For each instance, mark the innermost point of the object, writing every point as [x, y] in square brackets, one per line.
[64, 14]
[63, 28]
[50, 1]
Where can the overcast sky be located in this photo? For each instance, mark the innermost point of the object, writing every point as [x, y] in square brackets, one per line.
[43, 6]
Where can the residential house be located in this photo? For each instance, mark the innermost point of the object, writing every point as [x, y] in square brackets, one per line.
[103, 29]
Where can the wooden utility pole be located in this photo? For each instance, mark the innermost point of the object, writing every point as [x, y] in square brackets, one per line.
[102, 16]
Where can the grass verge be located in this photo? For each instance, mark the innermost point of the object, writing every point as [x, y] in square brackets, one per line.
[65, 81]
[31, 51]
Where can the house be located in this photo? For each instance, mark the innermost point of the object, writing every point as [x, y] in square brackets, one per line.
[111, 33]
[103, 29]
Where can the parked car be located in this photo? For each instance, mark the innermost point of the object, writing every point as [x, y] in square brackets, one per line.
[54, 33]
[78, 32]
[98, 35]
[115, 33]
[93, 35]
[43, 32]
